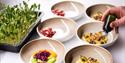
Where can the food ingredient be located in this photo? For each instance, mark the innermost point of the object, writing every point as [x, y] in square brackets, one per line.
[44, 56]
[84, 59]
[16, 21]
[48, 32]
[95, 38]
[97, 15]
[58, 12]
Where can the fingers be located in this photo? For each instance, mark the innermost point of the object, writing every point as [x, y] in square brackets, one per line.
[104, 15]
[116, 29]
[114, 10]
[118, 22]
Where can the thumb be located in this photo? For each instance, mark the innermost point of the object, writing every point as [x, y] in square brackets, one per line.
[118, 22]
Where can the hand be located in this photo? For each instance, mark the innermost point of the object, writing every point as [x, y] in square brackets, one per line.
[119, 12]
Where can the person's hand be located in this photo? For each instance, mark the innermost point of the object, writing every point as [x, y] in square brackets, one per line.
[119, 12]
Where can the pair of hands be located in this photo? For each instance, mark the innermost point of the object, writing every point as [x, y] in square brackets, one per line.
[119, 12]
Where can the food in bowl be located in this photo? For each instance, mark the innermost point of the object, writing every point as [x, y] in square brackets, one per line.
[95, 38]
[44, 56]
[84, 59]
[58, 12]
[48, 32]
[97, 15]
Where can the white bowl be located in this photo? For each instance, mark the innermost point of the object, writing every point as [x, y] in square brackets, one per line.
[72, 9]
[65, 28]
[90, 11]
[40, 44]
[89, 51]
[93, 27]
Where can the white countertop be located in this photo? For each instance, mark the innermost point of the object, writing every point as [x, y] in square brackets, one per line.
[117, 50]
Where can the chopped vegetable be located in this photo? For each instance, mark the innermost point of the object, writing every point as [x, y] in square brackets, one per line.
[97, 16]
[84, 59]
[48, 32]
[58, 12]
[96, 38]
[44, 56]
[15, 22]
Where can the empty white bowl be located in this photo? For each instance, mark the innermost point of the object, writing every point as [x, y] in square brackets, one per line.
[65, 28]
[97, 8]
[96, 52]
[72, 9]
[93, 27]
[40, 44]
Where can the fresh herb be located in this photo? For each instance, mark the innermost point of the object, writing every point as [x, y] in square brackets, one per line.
[2, 6]
[16, 21]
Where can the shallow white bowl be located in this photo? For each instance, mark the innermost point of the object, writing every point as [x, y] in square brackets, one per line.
[42, 44]
[65, 28]
[91, 10]
[89, 51]
[93, 27]
[72, 9]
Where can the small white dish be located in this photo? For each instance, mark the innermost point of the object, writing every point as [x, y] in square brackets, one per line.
[65, 28]
[72, 9]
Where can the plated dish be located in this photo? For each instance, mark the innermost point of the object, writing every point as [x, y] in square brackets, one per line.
[88, 54]
[59, 28]
[43, 51]
[69, 9]
[96, 11]
[89, 33]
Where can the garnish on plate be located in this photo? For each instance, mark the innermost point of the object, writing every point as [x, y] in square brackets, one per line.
[97, 16]
[95, 38]
[48, 32]
[58, 12]
[84, 59]
[44, 56]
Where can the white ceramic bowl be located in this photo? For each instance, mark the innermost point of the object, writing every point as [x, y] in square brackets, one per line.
[93, 27]
[65, 28]
[89, 51]
[92, 10]
[72, 9]
[41, 44]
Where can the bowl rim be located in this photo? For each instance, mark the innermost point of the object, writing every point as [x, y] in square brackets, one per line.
[103, 45]
[111, 58]
[75, 24]
[75, 17]
[20, 56]
[96, 5]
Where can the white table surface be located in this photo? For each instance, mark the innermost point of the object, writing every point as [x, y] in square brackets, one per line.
[117, 50]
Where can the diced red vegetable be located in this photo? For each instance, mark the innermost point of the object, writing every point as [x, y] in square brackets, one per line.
[48, 32]
[58, 12]
[42, 55]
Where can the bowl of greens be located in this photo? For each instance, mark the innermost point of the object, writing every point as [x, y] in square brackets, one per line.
[17, 24]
